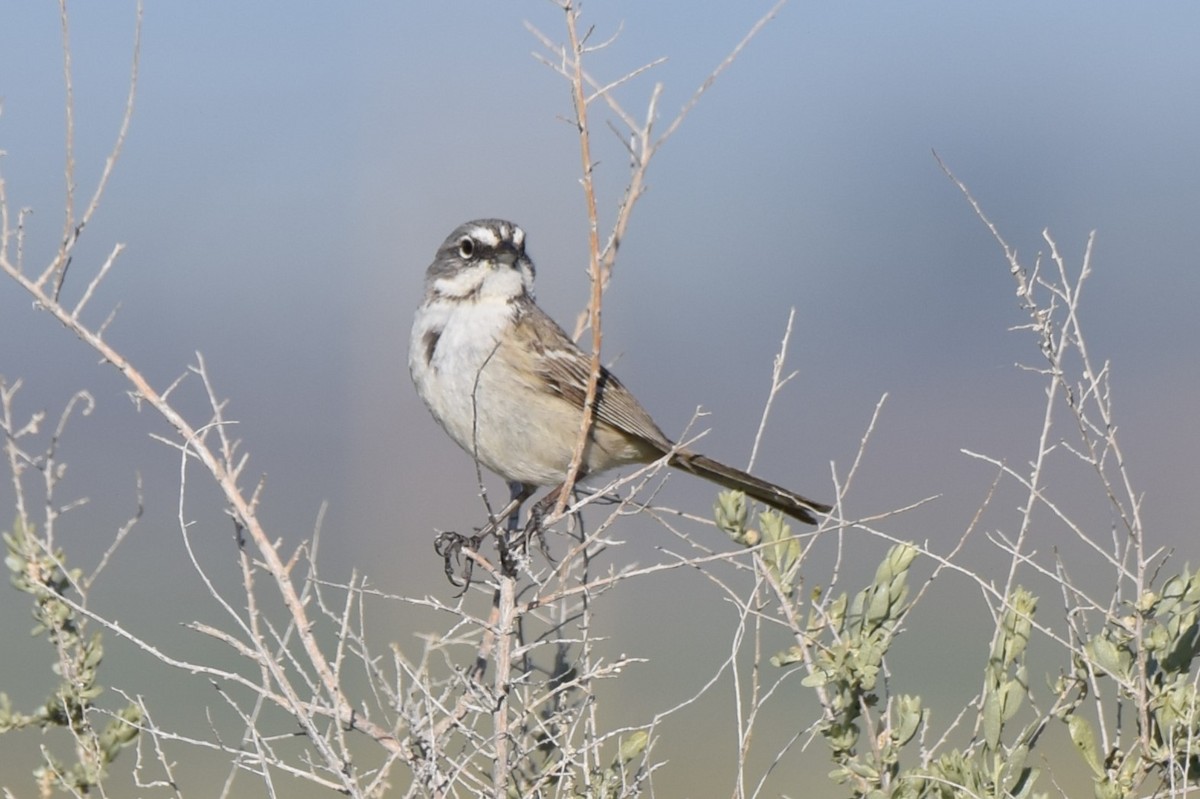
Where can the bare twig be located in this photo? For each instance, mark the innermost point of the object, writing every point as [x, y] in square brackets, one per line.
[594, 275]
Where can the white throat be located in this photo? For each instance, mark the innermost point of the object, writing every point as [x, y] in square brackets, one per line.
[485, 282]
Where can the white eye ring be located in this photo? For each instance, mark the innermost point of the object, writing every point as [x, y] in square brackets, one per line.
[466, 247]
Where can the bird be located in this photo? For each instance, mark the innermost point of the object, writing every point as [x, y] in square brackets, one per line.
[509, 386]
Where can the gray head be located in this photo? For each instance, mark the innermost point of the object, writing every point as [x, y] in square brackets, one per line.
[485, 256]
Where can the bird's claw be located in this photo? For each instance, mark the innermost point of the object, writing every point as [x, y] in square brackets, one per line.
[450, 545]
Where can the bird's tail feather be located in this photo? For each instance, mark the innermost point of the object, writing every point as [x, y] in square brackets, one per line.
[789, 502]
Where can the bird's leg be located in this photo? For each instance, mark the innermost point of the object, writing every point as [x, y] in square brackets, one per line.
[510, 514]
[537, 514]
[450, 544]
[518, 493]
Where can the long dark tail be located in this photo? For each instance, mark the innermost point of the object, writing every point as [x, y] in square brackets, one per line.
[789, 502]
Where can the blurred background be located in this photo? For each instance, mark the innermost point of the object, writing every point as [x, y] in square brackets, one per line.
[290, 172]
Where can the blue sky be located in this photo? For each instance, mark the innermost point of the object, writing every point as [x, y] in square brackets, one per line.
[290, 172]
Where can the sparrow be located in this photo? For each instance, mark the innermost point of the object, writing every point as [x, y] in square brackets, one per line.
[509, 385]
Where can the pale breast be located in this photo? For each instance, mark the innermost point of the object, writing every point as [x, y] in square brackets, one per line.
[451, 342]
[480, 380]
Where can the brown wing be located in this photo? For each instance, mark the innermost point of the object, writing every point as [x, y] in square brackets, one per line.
[565, 369]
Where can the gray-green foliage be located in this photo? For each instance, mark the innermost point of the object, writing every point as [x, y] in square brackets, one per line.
[997, 763]
[780, 550]
[44, 577]
[1149, 652]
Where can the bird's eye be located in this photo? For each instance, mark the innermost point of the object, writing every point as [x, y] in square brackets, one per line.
[466, 247]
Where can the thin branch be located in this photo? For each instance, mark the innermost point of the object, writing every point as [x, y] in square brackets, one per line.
[589, 193]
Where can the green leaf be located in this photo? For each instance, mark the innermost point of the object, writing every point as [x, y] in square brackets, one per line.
[992, 720]
[908, 719]
[1084, 739]
[730, 513]
[633, 746]
[1107, 657]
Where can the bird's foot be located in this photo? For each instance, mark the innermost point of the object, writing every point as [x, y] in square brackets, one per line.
[450, 546]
